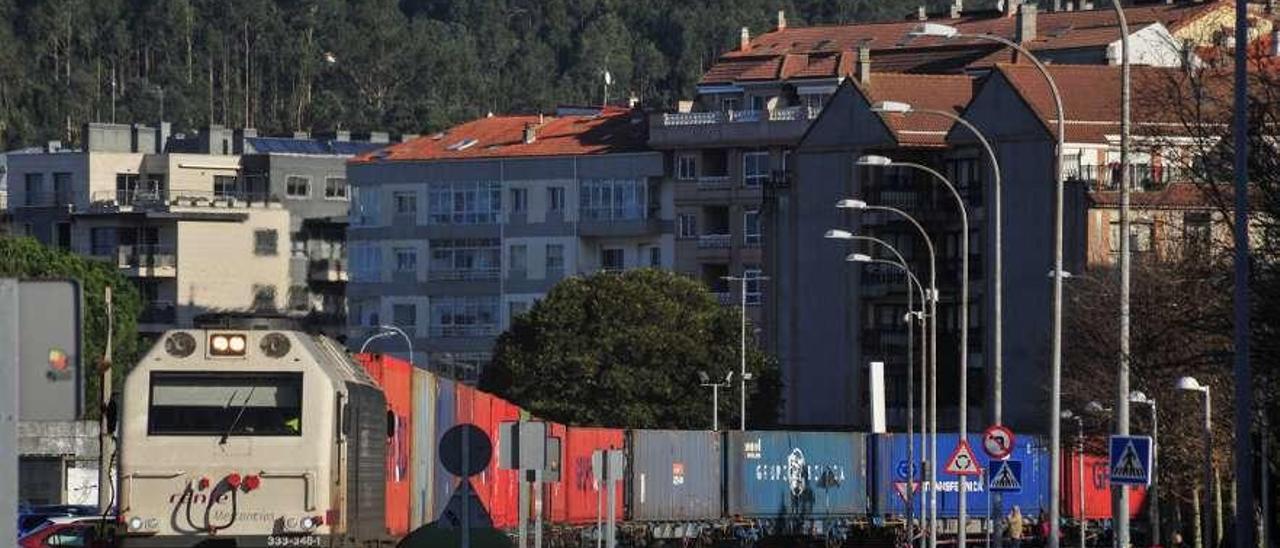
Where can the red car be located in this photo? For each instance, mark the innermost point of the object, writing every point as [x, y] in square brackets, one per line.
[78, 531]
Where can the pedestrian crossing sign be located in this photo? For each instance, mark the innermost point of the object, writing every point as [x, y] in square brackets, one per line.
[1130, 460]
[1006, 476]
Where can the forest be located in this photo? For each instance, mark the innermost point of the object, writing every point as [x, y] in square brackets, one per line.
[360, 65]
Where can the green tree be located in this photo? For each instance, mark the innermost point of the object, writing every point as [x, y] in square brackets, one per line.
[26, 258]
[625, 349]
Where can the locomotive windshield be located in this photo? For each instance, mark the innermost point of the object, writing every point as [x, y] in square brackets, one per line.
[225, 404]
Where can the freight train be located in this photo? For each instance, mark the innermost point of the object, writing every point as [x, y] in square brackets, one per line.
[262, 437]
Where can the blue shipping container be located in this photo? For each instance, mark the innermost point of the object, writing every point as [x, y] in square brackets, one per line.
[796, 475]
[890, 472]
[446, 417]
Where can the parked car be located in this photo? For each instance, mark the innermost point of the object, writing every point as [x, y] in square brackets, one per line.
[79, 531]
[30, 517]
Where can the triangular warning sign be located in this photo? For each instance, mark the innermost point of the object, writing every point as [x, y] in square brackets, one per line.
[902, 486]
[1005, 479]
[1129, 467]
[962, 461]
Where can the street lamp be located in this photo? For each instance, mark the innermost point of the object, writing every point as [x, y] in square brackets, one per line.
[931, 472]
[390, 331]
[882, 161]
[715, 396]
[1055, 429]
[1068, 415]
[1192, 385]
[742, 417]
[1154, 506]
[374, 337]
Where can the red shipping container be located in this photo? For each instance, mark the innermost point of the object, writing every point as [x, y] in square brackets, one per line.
[1097, 488]
[396, 379]
[497, 489]
[574, 500]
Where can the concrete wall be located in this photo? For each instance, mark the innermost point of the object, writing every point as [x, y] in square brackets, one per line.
[217, 266]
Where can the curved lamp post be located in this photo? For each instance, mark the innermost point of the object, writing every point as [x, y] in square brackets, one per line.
[882, 161]
[1055, 427]
[390, 331]
[931, 472]
[1192, 385]
[1154, 506]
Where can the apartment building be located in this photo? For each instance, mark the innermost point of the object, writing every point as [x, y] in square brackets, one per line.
[218, 221]
[455, 233]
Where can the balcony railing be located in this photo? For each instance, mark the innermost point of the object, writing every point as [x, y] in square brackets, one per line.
[158, 312]
[463, 331]
[1143, 177]
[623, 213]
[713, 181]
[784, 114]
[724, 297]
[464, 275]
[327, 269]
[714, 241]
[179, 197]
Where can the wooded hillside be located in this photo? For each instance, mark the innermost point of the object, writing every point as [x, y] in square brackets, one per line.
[412, 65]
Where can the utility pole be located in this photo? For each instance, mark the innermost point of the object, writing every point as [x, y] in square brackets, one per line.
[743, 377]
[1120, 496]
[106, 445]
[1243, 375]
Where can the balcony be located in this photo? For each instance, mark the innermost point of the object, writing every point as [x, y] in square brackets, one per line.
[463, 331]
[619, 222]
[464, 275]
[715, 241]
[144, 261]
[778, 126]
[110, 200]
[327, 270]
[714, 182]
[1142, 177]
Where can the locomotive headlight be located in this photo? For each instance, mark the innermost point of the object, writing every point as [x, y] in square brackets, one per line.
[227, 344]
[309, 523]
[135, 523]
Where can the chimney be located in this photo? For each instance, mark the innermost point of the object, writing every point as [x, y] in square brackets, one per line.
[782, 20]
[957, 6]
[530, 133]
[744, 42]
[1011, 7]
[922, 14]
[1026, 31]
[864, 64]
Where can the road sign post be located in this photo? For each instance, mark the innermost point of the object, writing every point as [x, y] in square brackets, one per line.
[962, 461]
[1006, 477]
[997, 441]
[1130, 460]
[607, 467]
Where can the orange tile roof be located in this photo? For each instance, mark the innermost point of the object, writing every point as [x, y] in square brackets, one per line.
[615, 130]
[950, 93]
[1054, 31]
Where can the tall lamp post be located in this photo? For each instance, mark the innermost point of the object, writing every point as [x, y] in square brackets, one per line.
[715, 396]
[1068, 415]
[1055, 427]
[1153, 507]
[881, 161]
[1192, 385]
[743, 376]
[913, 283]
[932, 471]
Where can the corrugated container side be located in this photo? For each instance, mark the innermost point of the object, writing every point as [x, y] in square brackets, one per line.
[394, 376]
[1097, 488]
[890, 474]
[554, 494]
[674, 475]
[446, 413]
[796, 475]
[497, 489]
[421, 473]
[581, 498]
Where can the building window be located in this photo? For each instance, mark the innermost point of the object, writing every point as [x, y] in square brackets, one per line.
[730, 103]
[62, 235]
[686, 167]
[404, 316]
[465, 259]
[224, 186]
[366, 262]
[519, 200]
[612, 259]
[752, 283]
[786, 161]
[102, 242]
[299, 298]
[1140, 237]
[688, 226]
[406, 203]
[964, 173]
[755, 168]
[62, 187]
[265, 242]
[555, 260]
[406, 259]
[518, 261]
[555, 199]
[655, 257]
[335, 188]
[614, 199]
[34, 188]
[297, 186]
[264, 297]
[1197, 231]
[751, 227]
[368, 207]
[464, 203]
[464, 316]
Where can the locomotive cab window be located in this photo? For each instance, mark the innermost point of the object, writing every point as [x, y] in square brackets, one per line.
[225, 404]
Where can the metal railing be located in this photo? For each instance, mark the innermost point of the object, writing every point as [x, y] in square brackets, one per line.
[463, 331]
[723, 297]
[1143, 177]
[783, 114]
[715, 241]
[180, 197]
[326, 266]
[713, 181]
[635, 212]
[464, 275]
[146, 256]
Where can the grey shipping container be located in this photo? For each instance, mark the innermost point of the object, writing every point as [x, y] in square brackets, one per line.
[673, 475]
[796, 475]
[424, 455]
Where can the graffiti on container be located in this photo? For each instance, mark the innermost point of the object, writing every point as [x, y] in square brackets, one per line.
[677, 473]
[754, 450]
[398, 450]
[1101, 474]
[801, 475]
